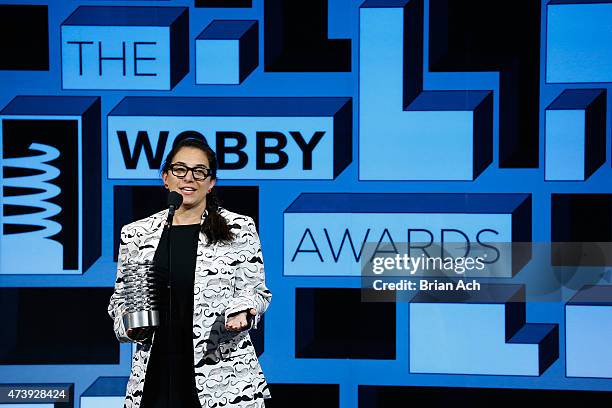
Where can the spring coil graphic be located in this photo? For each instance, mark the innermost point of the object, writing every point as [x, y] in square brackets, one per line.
[141, 294]
[40, 182]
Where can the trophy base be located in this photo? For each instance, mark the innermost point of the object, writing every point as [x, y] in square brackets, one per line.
[149, 318]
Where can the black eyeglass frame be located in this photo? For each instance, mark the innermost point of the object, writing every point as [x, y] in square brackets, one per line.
[209, 172]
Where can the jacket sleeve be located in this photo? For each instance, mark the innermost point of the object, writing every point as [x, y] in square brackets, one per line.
[116, 304]
[250, 291]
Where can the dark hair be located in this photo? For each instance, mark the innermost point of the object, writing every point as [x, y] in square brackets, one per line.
[215, 226]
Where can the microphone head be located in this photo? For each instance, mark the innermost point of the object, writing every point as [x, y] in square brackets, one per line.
[174, 199]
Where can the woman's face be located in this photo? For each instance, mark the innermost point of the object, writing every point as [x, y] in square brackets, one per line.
[193, 191]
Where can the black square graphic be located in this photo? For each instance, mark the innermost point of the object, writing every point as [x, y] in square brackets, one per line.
[367, 329]
[48, 326]
[24, 34]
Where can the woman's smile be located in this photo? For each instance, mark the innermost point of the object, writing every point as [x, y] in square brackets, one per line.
[188, 190]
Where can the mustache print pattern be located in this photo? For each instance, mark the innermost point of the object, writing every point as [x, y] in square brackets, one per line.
[228, 278]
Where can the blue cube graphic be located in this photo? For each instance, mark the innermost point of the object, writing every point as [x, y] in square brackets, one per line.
[329, 234]
[588, 332]
[125, 47]
[479, 332]
[54, 140]
[254, 138]
[578, 39]
[105, 392]
[226, 52]
[418, 135]
[575, 134]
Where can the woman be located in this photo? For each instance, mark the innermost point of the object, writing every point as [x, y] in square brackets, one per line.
[201, 354]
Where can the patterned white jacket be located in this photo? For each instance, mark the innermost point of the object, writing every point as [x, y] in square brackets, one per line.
[228, 278]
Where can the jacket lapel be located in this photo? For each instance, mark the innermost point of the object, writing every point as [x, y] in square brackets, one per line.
[149, 242]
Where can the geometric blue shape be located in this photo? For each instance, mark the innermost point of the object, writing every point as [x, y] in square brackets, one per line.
[578, 37]
[106, 386]
[429, 203]
[65, 231]
[298, 36]
[119, 16]
[228, 106]
[217, 62]
[105, 392]
[325, 233]
[588, 333]
[479, 332]
[298, 138]
[27, 105]
[416, 134]
[575, 134]
[227, 51]
[125, 47]
[476, 37]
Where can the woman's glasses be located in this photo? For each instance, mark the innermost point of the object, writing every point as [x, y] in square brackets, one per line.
[199, 173]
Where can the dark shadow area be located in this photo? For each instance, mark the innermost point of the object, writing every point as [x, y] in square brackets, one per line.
[481, 35]
[257, 336]
[335, 323]
[391, 397]
[304, 396]
[579, 222]
[224, 3]
[295, 38]
[57, 326]
[24, 31]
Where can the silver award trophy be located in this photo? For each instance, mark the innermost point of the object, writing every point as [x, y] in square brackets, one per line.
[141, 295]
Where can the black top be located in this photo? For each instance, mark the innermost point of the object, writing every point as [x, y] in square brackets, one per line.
[170, 377]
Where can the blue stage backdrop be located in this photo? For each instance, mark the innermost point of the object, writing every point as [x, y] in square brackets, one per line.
[339, 124]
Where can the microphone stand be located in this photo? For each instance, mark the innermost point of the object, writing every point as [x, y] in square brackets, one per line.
[169, 317]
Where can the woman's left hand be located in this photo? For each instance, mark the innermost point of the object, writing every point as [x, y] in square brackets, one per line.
[240, 321]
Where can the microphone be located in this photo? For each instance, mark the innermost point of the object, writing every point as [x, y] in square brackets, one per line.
[174, 201]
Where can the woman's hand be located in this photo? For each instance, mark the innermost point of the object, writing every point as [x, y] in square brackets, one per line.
[240, 321]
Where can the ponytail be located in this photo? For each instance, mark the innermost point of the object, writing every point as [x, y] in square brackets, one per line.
[215, 226]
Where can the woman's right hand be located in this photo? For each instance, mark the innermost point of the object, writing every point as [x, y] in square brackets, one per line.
[139, 333]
